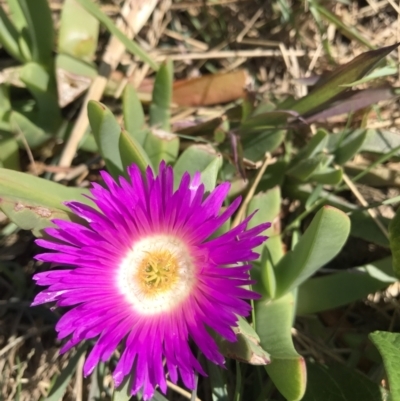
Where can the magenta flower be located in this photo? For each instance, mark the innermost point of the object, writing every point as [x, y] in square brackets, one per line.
[145, 273]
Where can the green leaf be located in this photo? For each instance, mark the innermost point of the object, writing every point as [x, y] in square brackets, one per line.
[268, 207]
[75, 66]
[218, 382]
[40, 28]
[322, 241]
[305, 168]
[9, 154]
[350, 146]
[161, 145]
[255, 145]
[130, 45]
[381, 141]
[117, 148]
[210, 174]
[32, 202]
[287, 369]
[16, 15]
[341, 288]
[34, 135]
[9, 37]
[331, 85]
[247, 347]
[5, 104]
[328, 176]
[394, 240]
[42, 86]
[107, 133]
[362, 226]
[337, 382]
[160, 113]
[132, 152]
[60, 385]
[78, 32]
[134, 118]
[123, 392]
[201, 158]
[388, 345]
[314, 146]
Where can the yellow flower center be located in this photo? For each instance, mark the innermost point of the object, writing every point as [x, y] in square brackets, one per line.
[157, 274]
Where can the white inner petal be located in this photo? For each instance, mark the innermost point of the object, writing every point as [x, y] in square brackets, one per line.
[174, 283]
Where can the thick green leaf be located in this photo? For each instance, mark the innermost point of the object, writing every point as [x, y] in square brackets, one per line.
[161, 97]
[287, 369]
[161, 145]
[307, 167]
[331, 85]
[268, 207]
[394, 239]
[323, 239]
[40, 27]
[32, 202]
[210, 174]
[16, 15]
[247, 347]
[341, 288]
[132, 152]
[328, 176]
[388, 345]
[255, 145]
[75, 66]
[337, 382]
[34, 135]
[117, 147]
[63, 380]
[349, 146]
[314, 146]
[78, 31]
[123, 392]
[362, 226]
[218, 382]
[9, 37]
[5, 104]
[9, 154]
[134, 118]
[381, 141]
[158, 397]
[107, 133]
[130, 45]
[201, 158]
[42, 86]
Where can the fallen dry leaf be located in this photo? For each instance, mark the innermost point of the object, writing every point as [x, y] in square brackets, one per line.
[211, 89]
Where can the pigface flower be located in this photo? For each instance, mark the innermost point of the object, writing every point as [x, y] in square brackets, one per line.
[144, 273]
